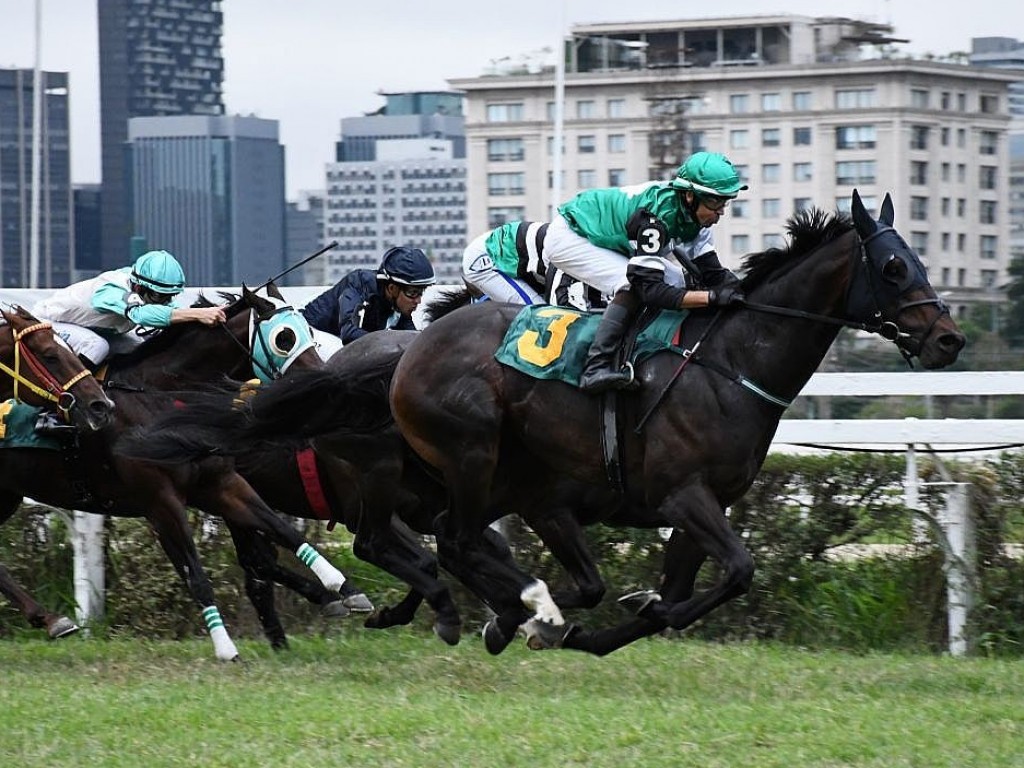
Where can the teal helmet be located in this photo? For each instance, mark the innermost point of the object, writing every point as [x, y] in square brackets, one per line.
[708, 173]
[159, 271]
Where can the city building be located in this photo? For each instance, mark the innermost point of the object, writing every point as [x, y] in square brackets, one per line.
[157, 58]
[808, 109]
[88, 201]
[56, 237]
[211, 191]
[400, 180]
[304, 236]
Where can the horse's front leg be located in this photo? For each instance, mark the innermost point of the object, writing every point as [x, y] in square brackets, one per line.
[168, 520]
[563, 536]
[56, 625]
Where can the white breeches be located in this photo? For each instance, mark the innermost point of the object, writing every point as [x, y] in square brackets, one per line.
[601, 268]
[82, 341]
[478, 270]
[326, 343]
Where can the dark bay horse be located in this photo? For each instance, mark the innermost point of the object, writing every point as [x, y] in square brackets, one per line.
[40, 371]
[708, 417]
[259, 337]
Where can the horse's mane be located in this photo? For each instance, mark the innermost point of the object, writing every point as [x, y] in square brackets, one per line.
[808, 229]
[446, 302]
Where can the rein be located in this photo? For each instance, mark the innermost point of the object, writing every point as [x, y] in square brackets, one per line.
[55, 392]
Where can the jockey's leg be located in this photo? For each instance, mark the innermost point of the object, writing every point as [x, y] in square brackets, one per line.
[479, 272]
[602, 371]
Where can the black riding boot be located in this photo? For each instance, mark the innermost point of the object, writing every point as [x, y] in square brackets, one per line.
[600, 372]
[50, 424]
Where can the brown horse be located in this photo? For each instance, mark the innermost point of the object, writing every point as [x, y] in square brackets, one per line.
[259, 337]
[40, 371]
[699, 427]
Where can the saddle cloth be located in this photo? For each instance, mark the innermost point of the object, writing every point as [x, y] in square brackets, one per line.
[549, 342]
[18, 427]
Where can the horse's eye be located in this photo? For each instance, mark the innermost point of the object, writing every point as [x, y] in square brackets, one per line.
[282, 341]
[894, 269]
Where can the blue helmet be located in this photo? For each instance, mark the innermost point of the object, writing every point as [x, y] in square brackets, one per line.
[407, 266]
[159, 271]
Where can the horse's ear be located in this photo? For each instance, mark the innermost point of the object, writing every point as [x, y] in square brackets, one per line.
[274, 292]
[861, 218]
[246, 293]
[887, 215]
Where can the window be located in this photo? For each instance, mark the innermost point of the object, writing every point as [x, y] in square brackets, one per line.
[551, 112]
[771, 208]
[919, 208]
[585, 110]
[740, 209]
[987, 211]
[739, 103]
[802, 204]
[870, 203]
[586, 179]
[504, 149]
[740, 244]
[945, 99]
[586, 145]
[855, 172]
[551, 179]
[987, 245]
[502, 215]
[988, 143]
[945, 276]
[946, 239]
[944, 137]
[506, 183]
[919, 137]
[919, 242]
[771, 137]
[771, 173]
[771, 102]
[616, 143]
[918, 172]
[551, 146]
[945, 171]
[505, 113]
[961, 207]
[961, 242]
[698, 142]
[961, 277]
[919, 98]
[801, 101]
[961, 137]
[988, 278]
[987, 177]
[961, 102]
[616, 177]
[855, 137]
[616, 107]
[802, 171]
[801, 137]
[855, 98]
[988, 103]
[741, 171]
[944, 207]
[739, 139]
[773, 240]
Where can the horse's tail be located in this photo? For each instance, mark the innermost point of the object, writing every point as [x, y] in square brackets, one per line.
[447, 302]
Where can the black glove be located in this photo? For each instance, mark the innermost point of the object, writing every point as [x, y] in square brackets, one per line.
[726, 296]
[648, 236]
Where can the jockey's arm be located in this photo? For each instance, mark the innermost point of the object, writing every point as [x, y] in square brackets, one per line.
[646, 275]
[204, 315]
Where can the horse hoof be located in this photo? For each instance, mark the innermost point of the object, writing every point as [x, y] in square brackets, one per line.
[495, 640]
[542, 635]
[336, 609]
[450, 633]
[358, 603]
[277, 644]
[62, 627]
[638, 602]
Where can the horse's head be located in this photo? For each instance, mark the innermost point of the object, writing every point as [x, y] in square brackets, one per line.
[892, 289]
[44, 372]
[279, 336]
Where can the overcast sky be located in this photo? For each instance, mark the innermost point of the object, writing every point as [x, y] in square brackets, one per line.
[309, 63]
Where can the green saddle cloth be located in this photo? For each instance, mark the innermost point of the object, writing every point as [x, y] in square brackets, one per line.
[549, 342]
[18, 427]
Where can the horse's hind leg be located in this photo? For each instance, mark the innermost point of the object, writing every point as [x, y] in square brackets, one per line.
[56, 625]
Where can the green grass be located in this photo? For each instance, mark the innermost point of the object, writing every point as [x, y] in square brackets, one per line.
[397, 698]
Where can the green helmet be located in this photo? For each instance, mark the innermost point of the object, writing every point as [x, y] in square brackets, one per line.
[708, 173]
[159, 271]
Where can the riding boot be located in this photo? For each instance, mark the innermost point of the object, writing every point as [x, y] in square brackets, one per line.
[50, 425]
[600, 372]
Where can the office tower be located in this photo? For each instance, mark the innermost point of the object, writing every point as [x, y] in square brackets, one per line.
[400, 180]
[88, 204]
[304, 236]
[157, 57]
[211, 191]
[55, 201]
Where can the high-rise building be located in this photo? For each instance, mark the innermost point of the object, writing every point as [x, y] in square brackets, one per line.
[401, 181]
[304, 236]
[88, 205]
[211, 191]
[157, 57]
[808, 109]
[56, 238]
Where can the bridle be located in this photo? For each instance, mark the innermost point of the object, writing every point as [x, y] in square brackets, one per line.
[270, 360]
[54, 391]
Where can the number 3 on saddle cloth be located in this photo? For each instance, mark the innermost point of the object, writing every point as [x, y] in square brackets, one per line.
[548, 342]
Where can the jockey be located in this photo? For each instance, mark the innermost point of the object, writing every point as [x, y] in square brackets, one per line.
[366, 300]
[507, 264]
[617, 240]
[95, 315]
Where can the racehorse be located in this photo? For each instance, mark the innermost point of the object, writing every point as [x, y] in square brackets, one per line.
[259, 337]
[699, 427]
[39, 371]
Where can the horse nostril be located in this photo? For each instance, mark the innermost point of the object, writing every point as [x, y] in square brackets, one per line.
[953, 342]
